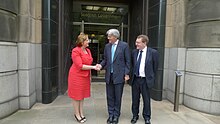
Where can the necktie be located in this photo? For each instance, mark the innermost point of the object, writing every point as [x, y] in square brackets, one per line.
[138, 63]
[113, 53]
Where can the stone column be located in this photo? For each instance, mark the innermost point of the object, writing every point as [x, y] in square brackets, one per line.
[29, 52]
[174, 48]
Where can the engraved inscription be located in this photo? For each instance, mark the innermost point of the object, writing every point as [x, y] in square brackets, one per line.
[216, 35]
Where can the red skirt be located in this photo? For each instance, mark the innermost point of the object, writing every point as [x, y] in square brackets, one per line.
[78, 87]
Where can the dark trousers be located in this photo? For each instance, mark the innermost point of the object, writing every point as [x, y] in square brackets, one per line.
[140, 87]
[114, 96]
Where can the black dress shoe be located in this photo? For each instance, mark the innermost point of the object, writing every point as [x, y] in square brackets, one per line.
[110, 120]
[115, 120]
[147, 121]
[134, 119]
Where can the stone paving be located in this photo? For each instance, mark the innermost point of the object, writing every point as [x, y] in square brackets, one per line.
[61, 111]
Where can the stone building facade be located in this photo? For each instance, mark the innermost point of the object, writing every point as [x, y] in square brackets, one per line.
[191, 46]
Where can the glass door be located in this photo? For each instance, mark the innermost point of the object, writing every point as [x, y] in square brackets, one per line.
[98, 39]
[98, 18]
[97, 36]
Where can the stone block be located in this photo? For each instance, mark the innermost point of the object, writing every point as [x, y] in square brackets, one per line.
[169, 16]
[38, 55]
[25, 29]
[198, 86]
[171, 80]
[215, 108]
[33, 56]
[164, 95]
[179, 35]
[197, 104]
[203, 34]
[169, 40]
[26, 52]
[38, 83]
[216, 89]
[38, 10]
[9, 86]
[27, 102]
[9, 5]
[169, 1]
[8, 24]
[8, 56]
[202, 60]
[173, 1]
[179, 12]
[27, 8]
[203, 10]
[26, 82]
[33, 30]
[181, 59]
[165, 78]
[38, 31]
[32, 8]
[175, 34]
[24, 7]
[166, 58]
[8, 108]
[170, 95]
[173, 58]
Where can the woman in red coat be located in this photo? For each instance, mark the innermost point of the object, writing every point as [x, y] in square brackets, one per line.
[80, 76]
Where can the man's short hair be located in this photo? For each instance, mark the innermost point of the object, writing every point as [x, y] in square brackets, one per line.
[144, 38]
[113, 32]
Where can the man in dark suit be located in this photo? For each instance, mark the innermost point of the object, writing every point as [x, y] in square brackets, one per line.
[116, 62]
[144, 63]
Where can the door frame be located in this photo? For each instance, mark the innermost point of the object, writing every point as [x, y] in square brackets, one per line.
[121, 26]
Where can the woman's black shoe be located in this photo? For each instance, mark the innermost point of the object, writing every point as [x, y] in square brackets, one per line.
[84, 118]
[79, 120]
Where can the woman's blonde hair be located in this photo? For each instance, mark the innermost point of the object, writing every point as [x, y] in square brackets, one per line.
[81, 38]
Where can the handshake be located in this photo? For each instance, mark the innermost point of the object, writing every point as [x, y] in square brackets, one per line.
[97, 67]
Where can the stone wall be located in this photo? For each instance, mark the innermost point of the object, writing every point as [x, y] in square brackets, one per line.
[20, 53]
[202, 78]
[8, 54]
[192, 47]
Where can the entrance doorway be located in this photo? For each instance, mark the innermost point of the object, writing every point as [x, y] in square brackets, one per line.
[95, 20]
[63, 20]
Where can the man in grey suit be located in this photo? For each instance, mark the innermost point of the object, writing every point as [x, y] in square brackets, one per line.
[144, 63]
[116, 62]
